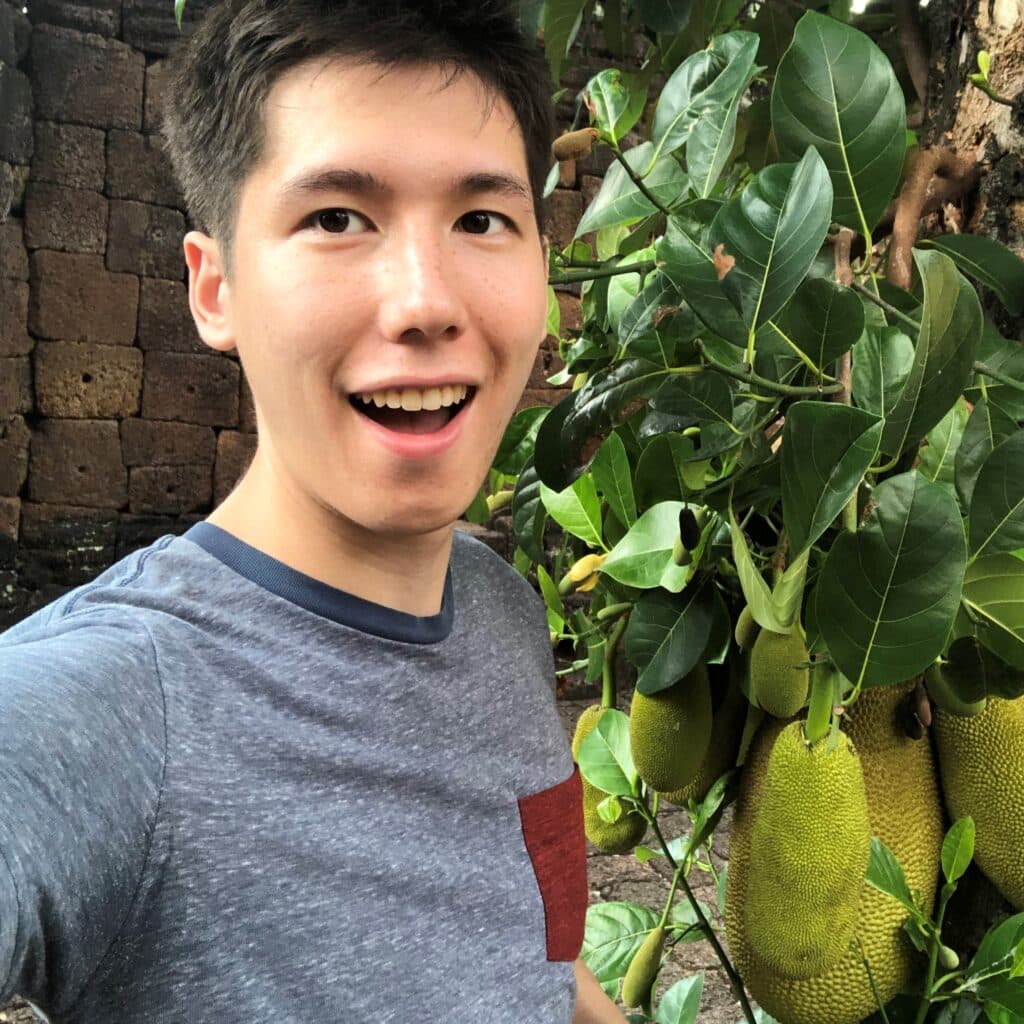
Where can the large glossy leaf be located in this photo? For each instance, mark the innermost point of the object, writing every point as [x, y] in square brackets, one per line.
[773, 229]
[616, 101]
[665, 15]
[1006, 357]
[774, 24]
[638, 319]
[643, 557]
[938, 456]
[691, 268]
[528, 515]
[561, 23]
[997, 505]
[518, 440]
[620, 201]
[987, 426]
[666, 636]
[577, 509]
[664, 472]
[826, 449]
[987, 261]
[822, 320]
[611, 472]
[881, 364]
[836, 90]
[755, 590]
[943, 352]
[888, 594]
[705, 399]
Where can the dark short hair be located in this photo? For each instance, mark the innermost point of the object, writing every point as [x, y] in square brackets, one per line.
[218, 80]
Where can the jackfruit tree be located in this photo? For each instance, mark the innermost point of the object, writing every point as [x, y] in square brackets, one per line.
[786, 491]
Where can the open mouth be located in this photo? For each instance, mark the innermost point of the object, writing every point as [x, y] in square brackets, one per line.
[392, 409]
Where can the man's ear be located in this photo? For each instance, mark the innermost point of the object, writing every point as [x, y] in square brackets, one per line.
[208, 291]
[546, 249]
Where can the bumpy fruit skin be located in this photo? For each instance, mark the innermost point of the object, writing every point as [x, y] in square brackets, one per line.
[669, 731]
[726, 732]
[746, 630]
[981, 760]
[624, 834]
[901, 782]
[776, 683]
[643, 969]
[809, 850]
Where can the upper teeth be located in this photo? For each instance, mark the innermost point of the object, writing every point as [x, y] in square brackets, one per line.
[414, 399]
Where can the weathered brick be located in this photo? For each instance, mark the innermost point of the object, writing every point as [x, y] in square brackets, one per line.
[15, 116]
[77, 462]
[15, 32]
[541, 396]
[246, 407]
[84, 78]
[159, 443]
[138, 168]
[563, 210]
[190, 389]
[153, 105]
[546, 364]
[13, 255]
[66, 219]
[69, 154]
[165, 320]
[10, 517]
[14, 337]
[146, 239]
[135, 532]
[75, 298]
[590, 185]
[569, 312]
[6, 190]
[149, 24]
[169, 489]
[82, 380]
[52, 527]
[100, 16]
[14, 441]
[15, 386]
[234, 454]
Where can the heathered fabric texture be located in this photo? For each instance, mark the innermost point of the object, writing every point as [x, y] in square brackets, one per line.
[232, 794]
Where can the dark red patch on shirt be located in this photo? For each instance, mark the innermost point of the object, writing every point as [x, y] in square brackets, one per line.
[552, 823]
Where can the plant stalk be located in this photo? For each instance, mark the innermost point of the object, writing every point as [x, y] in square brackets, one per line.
[749, 377]
[638, 181]
[887, 306]
[608, 669]
[573, 277]
[933, 954]
[996, 375]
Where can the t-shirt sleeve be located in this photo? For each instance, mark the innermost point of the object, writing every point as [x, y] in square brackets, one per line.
[81, 760]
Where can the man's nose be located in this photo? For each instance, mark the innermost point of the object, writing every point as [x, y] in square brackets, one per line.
[419, 292]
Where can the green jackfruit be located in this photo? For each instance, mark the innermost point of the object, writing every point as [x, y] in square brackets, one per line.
[726, 732]
[901, 783]
[643, 969]
[777, 682]
[746, 629]
[809, 850]
[624, 834]
[981, 760]
[669, 731]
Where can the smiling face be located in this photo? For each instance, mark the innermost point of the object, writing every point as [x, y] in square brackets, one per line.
[386, 253]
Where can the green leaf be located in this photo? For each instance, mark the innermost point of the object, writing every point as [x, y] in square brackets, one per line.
[517, 443]
[620, 201]
[774, 229]
[755, 590]
[996, 950]
[611, 472]
[888, 594]
[826, 449]
[885, 874]
[708, 18]
[997, 505]
[609, 97]
[561, 23]
[974, 673]
[881, 364]
[1003, 356]
[553, 324]
[605, 760]
[993, 589]
[988, 262]
[528, 515]
[613, 934]
[664, 15]
[577, 509]
[943, 353]
[836, 90]
[774, 24]
[681, 1003]
[179, 10]
[938, 456]
[643, 558]
[666, 636]
[788, 592]
[987, 427]
[661, 471]
[958, 848]
[1003, 999]
[822, 319]
[639, 318]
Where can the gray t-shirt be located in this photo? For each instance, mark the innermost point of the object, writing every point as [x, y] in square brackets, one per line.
[233, 794]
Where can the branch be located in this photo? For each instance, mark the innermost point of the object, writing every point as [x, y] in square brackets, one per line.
[651, 198]
[915, 50]
[749, 377]
[592, 275]
[1002, 378]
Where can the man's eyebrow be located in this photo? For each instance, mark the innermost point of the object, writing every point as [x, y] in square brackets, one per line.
[363, 183]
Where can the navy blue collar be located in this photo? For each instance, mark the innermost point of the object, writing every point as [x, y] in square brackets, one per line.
[320, 597]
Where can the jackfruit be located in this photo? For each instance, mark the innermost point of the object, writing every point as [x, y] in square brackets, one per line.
[622, 835]
[981, 761]
[746, 629]
[726, 730]
[669, 731]
[809, 849]
[643, 969]
[778, 683]
[901, 783]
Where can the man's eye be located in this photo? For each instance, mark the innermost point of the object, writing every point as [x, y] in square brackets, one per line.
[339, 222]
[484, 222]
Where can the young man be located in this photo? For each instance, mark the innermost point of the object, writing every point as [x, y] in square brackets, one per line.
[304, 763]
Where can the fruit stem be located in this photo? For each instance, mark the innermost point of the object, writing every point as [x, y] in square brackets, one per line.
[933, 954]
[819, 711]
[608, 669]
[871, 982]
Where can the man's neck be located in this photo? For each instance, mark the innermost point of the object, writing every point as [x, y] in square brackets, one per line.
[403, 573]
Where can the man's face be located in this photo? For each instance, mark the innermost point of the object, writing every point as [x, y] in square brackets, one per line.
[385, 251]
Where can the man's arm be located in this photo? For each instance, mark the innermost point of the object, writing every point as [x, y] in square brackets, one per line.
[592, 1005]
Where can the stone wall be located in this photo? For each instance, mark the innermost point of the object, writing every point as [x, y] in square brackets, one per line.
[117, 425]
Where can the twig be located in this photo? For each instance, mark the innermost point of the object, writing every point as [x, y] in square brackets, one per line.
[996, 375]
[842, 244]
[888, 307]
[651, 198]
[592, 275]
[749, 377]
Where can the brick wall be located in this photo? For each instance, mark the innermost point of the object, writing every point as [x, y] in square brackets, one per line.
[117, 425]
